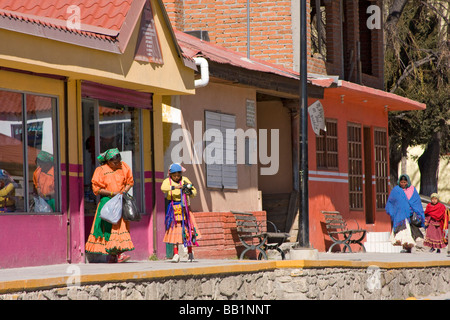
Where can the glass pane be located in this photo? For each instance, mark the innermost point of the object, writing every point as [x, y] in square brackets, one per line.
[12, 174]
[42, 162]
[119, 127]
[89, 156]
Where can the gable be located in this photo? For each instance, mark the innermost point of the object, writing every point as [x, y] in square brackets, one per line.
[128, 41]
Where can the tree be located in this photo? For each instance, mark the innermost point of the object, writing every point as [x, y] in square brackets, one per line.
[417, 67]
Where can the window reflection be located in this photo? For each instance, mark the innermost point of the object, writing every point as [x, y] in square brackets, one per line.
[27, 146]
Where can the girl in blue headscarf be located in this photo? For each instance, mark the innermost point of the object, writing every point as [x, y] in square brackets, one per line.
[402, 202]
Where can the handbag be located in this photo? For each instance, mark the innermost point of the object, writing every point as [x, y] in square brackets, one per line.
[130, 211]
[415, 220]
[112, 210]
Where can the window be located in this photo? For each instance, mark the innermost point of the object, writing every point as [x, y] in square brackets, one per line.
[381, 168]
[318, 20]
[220, 173]
[365, 38]
[355, 166]
[105, 126]
[29, 163]
[327, 147]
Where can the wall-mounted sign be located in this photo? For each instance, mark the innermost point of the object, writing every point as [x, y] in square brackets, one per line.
[317, 117]
[148, 48]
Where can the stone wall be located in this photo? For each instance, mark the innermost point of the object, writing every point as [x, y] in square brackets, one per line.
[336, 283]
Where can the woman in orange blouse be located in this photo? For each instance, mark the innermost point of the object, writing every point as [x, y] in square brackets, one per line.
[113, 177]
[44, 178]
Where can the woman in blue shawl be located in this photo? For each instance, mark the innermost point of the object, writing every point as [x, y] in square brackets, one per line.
[402, 202]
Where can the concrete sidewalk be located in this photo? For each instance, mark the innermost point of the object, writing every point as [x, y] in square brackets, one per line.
[59, 275]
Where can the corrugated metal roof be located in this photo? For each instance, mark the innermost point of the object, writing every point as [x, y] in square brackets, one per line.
[336, 89]
[194, 47]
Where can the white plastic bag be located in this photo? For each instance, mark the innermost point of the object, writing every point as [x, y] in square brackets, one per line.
[112, 210]
[40, 205]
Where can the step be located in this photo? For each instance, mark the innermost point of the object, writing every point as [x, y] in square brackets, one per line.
[377, 236]
[382, 247]
[379, 242]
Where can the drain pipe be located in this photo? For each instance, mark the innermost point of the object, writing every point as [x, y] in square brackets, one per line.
[204, 72]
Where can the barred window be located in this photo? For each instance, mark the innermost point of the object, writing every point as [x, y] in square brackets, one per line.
[327, 147]
[355, 166]
[381, 168]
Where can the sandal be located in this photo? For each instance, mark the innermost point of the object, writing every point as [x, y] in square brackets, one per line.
[123, 258]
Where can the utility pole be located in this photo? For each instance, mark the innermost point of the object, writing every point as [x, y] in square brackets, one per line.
[303, 220]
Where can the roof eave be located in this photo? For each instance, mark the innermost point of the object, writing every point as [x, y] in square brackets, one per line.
[376, 97]
[48, 32]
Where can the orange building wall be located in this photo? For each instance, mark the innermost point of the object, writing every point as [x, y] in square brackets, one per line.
[326, 195]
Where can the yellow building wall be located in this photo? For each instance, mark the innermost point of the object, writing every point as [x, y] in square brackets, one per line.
[412, 169]
[158, 133]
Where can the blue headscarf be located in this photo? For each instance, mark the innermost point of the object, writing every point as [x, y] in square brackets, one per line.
[400, 208]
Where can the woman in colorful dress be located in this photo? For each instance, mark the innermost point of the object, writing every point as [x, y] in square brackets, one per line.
[180, 223]
[7, 188]
[113, 177]
[402, 202]
[435, 214]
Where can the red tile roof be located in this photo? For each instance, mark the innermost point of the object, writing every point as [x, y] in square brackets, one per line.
[105, 14]
[104, 24]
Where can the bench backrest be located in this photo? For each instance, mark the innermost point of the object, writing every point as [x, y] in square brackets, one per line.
[246, 222]
[334, 221]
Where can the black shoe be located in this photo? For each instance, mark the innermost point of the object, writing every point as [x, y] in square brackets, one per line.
[432, 250]
[438, 251]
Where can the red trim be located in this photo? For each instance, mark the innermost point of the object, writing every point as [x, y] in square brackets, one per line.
[122, 96]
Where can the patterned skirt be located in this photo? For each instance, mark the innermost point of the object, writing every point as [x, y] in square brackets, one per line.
[106, 238]
[181, 227]
[434, 237]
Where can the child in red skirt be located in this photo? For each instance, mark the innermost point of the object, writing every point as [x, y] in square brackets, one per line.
[435, 218]
[180, 223]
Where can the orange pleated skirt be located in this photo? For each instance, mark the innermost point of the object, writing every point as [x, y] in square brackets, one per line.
[119, 241]
[174, 234]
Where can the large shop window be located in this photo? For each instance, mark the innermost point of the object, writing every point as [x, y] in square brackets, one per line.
[109, 125]
[220, 173]
[29, 175]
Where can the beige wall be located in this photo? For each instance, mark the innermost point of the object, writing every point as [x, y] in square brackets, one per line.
[218, 98]
[272, 114]
[412, 169]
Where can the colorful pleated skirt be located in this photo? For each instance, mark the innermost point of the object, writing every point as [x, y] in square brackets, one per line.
[106, 238]
[181, 227]
[434, 237]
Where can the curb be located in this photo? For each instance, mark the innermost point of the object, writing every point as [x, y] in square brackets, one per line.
[243, 267]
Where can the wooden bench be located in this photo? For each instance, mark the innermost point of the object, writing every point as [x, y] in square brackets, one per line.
[337, 227]
[248, 230]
